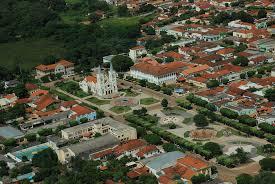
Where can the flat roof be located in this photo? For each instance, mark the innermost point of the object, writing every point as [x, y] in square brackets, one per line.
[94, 145]
[164, 160]
[8, 132]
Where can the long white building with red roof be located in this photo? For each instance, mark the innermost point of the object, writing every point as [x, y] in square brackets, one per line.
[66, 68]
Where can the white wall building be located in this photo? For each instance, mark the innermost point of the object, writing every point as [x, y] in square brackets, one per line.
[137, 52]
[157, 73]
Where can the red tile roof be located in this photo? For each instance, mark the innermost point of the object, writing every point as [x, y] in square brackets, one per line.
[193, 162]
[69, 103]
[39, 92]
[129, 146]
[80, 110]
[102, 153]
[146, 150]
[30, 86]
[91, 79]
[171, 54]
[138, 172]
[196, 69]
[44, 102]
[50, 67]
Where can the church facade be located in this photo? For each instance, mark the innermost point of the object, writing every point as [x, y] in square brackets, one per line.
[103, 84]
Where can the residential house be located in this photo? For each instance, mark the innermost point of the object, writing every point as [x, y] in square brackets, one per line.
[8, 101]
[79, 112]
[243, 33]
[137, 52]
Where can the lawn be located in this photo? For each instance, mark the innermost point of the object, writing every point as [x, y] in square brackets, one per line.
[129, 92]
[73, 88]
[98, 101]
[120, 109]
[148, 101]
[28, 53]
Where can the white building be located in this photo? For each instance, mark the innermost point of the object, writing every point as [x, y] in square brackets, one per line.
[104, 84]
[137, 52]
[63, 67]
[240, 24]
[103, 126]
[157, 73]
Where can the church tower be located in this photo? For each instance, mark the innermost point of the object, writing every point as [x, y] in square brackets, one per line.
[100, 82]
[112, 79]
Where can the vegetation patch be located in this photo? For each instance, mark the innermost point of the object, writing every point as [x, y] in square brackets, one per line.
[98, 101]
[148, 101]
[120, 109]
[28, 53]
[73, 88]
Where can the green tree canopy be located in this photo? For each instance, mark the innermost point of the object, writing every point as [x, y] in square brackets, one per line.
[122, 63]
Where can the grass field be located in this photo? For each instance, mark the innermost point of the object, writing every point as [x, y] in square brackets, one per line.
[98, 101]
[148, 101]
[28, 53]
[120, 109]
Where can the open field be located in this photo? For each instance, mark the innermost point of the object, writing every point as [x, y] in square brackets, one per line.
[28, 53]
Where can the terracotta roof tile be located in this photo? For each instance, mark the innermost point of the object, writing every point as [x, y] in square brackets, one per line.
[130, 145]
[193, 162]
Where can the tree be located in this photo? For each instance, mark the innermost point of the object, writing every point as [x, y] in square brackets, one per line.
[31, 137]
[167, 91]
[245, 119]
[261, 14]
[200, 120]
[242, 75]
[4, 170]
[212, 83]
[122, 11]
[140, 112]
[45, 159]
[198, 179]
[225, 81]
[168, 147]
[214, 148]
[122, 63]
[210, 107]
[241, 155]
[164, 103]
[270, 94]
[267, 164]
[153, 139]
[94, 17]
[148, 178]
[244, 179]
[241, 60]
[229, 113]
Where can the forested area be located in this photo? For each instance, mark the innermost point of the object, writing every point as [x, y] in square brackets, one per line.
[84, 44]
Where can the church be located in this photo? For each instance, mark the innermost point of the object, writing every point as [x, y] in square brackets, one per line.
[104, 84]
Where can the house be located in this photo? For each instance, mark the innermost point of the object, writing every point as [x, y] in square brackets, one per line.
[148, 151]
[137, 52]
[80, 112]
[243, 33]
[44, 102]
[226, 53]
[63, 67]
[267, 118]
[8, 101]
[103, 126]
[191, 71]
[131, 147]
[11, 83]
[157, 73]
[264, 45]
[240, 24]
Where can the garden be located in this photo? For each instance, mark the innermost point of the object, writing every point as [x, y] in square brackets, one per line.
[148, 101]
[98, 101]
